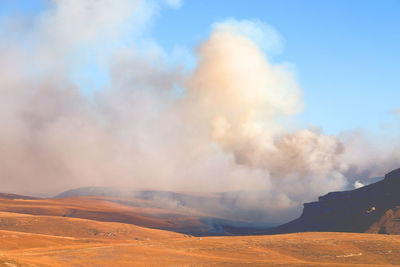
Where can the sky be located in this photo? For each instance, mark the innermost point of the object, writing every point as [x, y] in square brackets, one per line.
[337, 48]
[291, 99]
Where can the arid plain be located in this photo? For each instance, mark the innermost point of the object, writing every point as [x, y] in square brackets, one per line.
[47, 237]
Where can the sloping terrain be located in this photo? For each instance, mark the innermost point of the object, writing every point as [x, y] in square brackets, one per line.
[14, 196]
[195, 213]
[78, 228]
[224, 213]
[106, 210]
[372, 208]
[308, 249]
[113, 231]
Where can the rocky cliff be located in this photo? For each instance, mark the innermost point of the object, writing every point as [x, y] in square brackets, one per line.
[373, 208]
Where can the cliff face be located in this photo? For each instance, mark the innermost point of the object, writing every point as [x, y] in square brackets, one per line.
[372, 208]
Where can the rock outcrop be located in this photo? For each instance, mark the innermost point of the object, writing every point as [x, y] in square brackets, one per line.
[373, 208]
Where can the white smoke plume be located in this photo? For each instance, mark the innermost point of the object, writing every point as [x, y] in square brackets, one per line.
[229, 129]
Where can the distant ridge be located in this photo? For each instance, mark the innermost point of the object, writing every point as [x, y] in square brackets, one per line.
[15, 196]
[92, 191]
[374, 208]
[119, 192]
[218, 213]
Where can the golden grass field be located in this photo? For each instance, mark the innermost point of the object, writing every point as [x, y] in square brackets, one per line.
[52, 239]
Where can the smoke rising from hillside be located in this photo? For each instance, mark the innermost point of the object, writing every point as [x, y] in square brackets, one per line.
[231, 128]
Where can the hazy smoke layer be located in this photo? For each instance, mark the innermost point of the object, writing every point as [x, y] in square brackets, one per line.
[228, 127]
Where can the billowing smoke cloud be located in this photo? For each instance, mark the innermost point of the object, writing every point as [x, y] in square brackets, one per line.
[228, 127]
[243, 96]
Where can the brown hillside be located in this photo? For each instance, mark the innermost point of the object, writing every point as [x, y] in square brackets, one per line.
[103, 209]
[14, 196]
[79, 228]
[37, 240]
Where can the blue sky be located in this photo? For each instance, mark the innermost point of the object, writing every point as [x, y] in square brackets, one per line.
[345, 53]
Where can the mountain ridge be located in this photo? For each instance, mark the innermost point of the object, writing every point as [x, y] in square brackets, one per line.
[350, 211]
